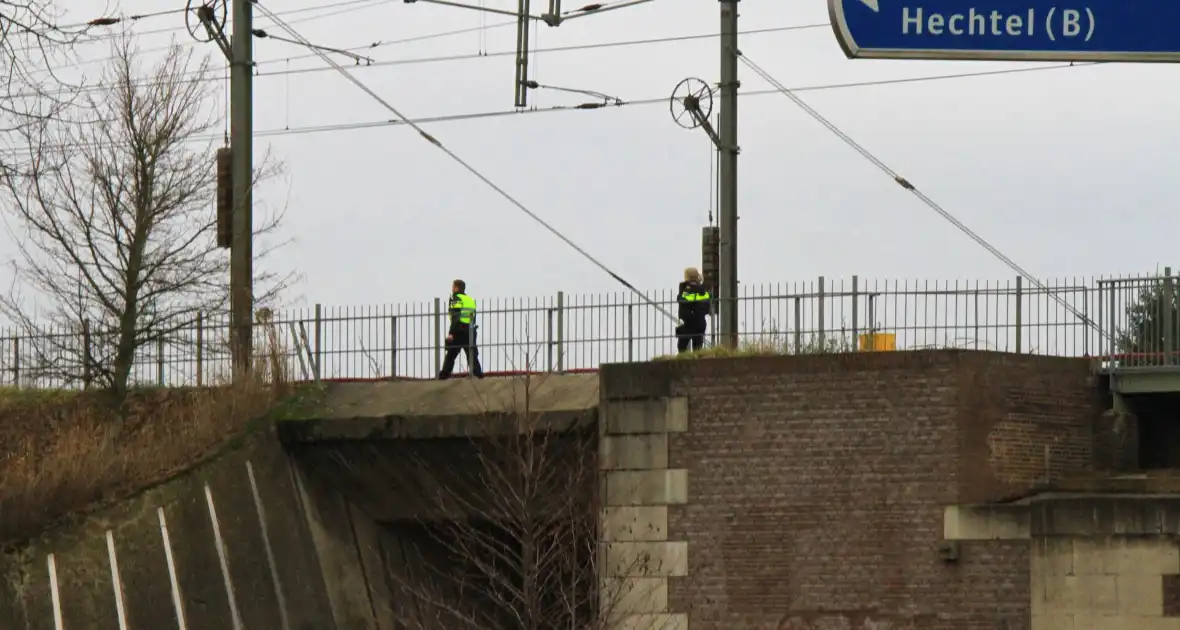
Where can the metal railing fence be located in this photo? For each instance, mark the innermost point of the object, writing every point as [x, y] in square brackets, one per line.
[1123, 323]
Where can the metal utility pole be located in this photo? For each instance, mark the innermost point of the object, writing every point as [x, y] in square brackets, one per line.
[235, 169]
[521, 98]
[241, 263]
[694, 97]
[727, 145]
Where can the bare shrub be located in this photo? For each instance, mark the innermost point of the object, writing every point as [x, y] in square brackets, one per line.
[506, 534]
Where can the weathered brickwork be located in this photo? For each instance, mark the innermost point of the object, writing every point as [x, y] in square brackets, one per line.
[818, 483]
[1026, 421]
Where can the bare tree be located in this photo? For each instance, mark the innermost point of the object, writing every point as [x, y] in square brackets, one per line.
[116, 210]
[507, 534]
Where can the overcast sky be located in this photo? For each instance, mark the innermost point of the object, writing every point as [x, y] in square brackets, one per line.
[1064, 169]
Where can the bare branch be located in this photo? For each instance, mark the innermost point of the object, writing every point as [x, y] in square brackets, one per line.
[31, 41]
[119, 234]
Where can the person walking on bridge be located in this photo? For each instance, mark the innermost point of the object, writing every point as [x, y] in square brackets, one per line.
[461, 335]
[693, 301]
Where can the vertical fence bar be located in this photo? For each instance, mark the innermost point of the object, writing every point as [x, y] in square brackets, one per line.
[317, 330]
[822, 294]
[1086, 321]
[975, 316]
[1169, 317]
[560, 332]
[798, 324]
[160, 361]
[1099, 324]
[855, 313]
[437, 335]
[550, 339]
[86, 354]
[200, 367]
[16, 362]
[1019, 313]
[393, 347]
[630, 333]
[712, 318]
[871, 326]
[1112, 329]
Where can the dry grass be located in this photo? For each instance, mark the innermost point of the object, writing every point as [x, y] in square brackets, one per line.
[773, 344]
[65, 452]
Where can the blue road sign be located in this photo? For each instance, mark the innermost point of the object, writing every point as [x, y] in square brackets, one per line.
[1009, 30]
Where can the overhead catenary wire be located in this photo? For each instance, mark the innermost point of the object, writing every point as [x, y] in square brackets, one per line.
[663, 100]
[112, 20]
[261, 34]
[467, 56]
[388, 63]
[907, 185]
[350, 4]
[571, 47]
[468, 167]
[600, 7]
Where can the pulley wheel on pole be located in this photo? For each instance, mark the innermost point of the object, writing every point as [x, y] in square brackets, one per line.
[216, 11]
[691, 103]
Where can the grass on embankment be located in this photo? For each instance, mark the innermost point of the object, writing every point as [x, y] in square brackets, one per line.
[64, 452]
[770, 344]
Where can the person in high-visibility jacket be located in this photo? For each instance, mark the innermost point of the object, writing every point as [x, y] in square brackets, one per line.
[461, 335]
[693, 302]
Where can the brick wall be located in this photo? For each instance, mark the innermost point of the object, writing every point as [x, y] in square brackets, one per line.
[816, 484]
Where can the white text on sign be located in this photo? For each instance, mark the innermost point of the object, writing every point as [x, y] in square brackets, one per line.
[1056, 23]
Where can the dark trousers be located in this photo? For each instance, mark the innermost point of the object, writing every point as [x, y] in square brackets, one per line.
[690, 335]
[463, 339]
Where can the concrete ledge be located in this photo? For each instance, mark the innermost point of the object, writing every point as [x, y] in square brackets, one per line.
[985, 522]
[1105, 516]
[1137, 484]
[633, 452]
[634, 523]
[622, 595]
[472, 425]
[457, 397]
[1065, 515]
[1164, 379]
[645, 487]
[659, 415]
[659, 621]
[644, 559]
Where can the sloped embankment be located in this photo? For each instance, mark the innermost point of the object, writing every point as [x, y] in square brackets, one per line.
[227, 539]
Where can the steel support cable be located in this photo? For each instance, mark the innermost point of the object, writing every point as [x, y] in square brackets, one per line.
[904, 183]
[136, 18]
[195, 75]
[311, 129]
[471, 169]
[656, 40]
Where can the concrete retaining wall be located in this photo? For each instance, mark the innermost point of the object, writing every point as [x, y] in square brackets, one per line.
[228, 546]
[1097, 561]
[637, 487]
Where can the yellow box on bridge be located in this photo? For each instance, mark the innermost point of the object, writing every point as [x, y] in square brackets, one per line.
[876, 342]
